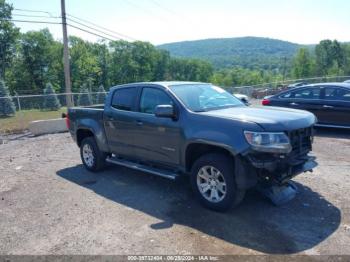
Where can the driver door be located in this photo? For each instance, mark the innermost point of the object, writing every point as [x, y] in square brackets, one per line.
[157, 139]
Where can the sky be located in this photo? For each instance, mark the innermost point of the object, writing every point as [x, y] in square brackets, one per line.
[165, 21]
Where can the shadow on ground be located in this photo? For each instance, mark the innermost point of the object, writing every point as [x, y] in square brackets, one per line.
[332, 132]
[256, 224]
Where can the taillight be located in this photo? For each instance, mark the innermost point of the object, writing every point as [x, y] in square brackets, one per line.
[265, 102]
[67, 121]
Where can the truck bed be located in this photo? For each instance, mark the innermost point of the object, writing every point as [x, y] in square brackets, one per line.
[88, 119]
[95, 112]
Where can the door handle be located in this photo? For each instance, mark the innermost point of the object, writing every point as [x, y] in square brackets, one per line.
[139, 123]
[293, 104]
[327, 106]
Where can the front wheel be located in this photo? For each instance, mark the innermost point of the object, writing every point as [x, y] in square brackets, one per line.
[93, 159]
[213, 182]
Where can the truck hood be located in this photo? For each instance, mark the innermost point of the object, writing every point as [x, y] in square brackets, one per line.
[269, 118]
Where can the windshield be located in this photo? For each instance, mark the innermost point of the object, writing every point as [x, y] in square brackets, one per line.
[204, 97]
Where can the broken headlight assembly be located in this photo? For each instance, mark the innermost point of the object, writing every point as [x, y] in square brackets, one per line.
[269, 142]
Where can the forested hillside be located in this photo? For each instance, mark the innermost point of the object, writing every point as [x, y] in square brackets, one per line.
[246, 52]
[31, 60]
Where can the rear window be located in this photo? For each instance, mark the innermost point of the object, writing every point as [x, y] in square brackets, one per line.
[124, 98]
[304, 93]
[337, 93]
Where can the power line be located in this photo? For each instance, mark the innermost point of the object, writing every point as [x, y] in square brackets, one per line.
[58, 23]
[116, 35]
[148, 11]
[43, 16]
[74, 21]
[181, 16]
[32, 21]
[34, 11]
[104, 28]
[165, 8]
[89, 32]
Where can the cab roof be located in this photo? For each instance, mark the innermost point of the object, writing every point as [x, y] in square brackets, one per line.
[165, 84]
[340, 84]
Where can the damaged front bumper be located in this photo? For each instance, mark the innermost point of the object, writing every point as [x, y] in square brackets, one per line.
[271, 174]
[270, 169]
[281, 168]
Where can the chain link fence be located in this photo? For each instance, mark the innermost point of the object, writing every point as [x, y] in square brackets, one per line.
[37, 107]
[260, 90]
[41, 107]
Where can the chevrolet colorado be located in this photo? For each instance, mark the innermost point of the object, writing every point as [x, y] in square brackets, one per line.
[197, 129]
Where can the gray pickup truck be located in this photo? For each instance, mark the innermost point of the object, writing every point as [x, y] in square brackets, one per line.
[171, 129]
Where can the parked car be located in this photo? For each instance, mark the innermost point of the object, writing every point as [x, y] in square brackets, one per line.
[171, 129]
[243, 98]
[330, 102]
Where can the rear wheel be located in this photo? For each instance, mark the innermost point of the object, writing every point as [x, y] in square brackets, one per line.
[213, 182]
[93, 159]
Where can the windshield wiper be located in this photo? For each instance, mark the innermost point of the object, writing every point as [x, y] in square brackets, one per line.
[221, 107]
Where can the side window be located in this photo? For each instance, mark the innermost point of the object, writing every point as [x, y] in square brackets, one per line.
[124, 98]
[152, 97]
[307, 93]
[336, 93]
[286, 95]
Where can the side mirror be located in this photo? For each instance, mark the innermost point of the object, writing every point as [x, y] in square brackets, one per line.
[165, 111]
[245, 101]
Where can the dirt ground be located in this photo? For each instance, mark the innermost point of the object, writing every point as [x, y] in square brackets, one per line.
[49, 204]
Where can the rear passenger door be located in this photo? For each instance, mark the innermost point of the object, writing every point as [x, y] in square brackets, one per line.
[119, 121]
[336, 106]
[305, 98]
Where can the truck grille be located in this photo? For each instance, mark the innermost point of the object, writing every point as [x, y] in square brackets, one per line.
[301, 140]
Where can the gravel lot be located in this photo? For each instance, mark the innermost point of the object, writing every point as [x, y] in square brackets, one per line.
[49, 204]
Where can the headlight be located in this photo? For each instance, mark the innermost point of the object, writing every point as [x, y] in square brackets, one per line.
[268, 142]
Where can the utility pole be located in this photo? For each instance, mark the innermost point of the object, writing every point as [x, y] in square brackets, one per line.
[69, 99]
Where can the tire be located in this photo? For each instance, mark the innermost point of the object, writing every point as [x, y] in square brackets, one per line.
[93, 159]
[219, 177]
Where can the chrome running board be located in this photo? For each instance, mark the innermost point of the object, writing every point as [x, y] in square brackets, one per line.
[141, 167]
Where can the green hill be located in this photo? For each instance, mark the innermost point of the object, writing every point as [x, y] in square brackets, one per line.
[248, 52]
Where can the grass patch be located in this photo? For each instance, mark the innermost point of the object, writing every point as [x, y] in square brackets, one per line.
[21, 120]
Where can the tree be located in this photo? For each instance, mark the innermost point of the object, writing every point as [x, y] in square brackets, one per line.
[338, 54]
[7, 107]
[103, 58]
[323, 56]
[239, 76]
[84, 62]
[123, 67]
[346, 48]
[8, 36]
[330, 56]
[51, 101]
[84, 98]
[37, 58]
[101, 96]
[302, 64]
[190, 70]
